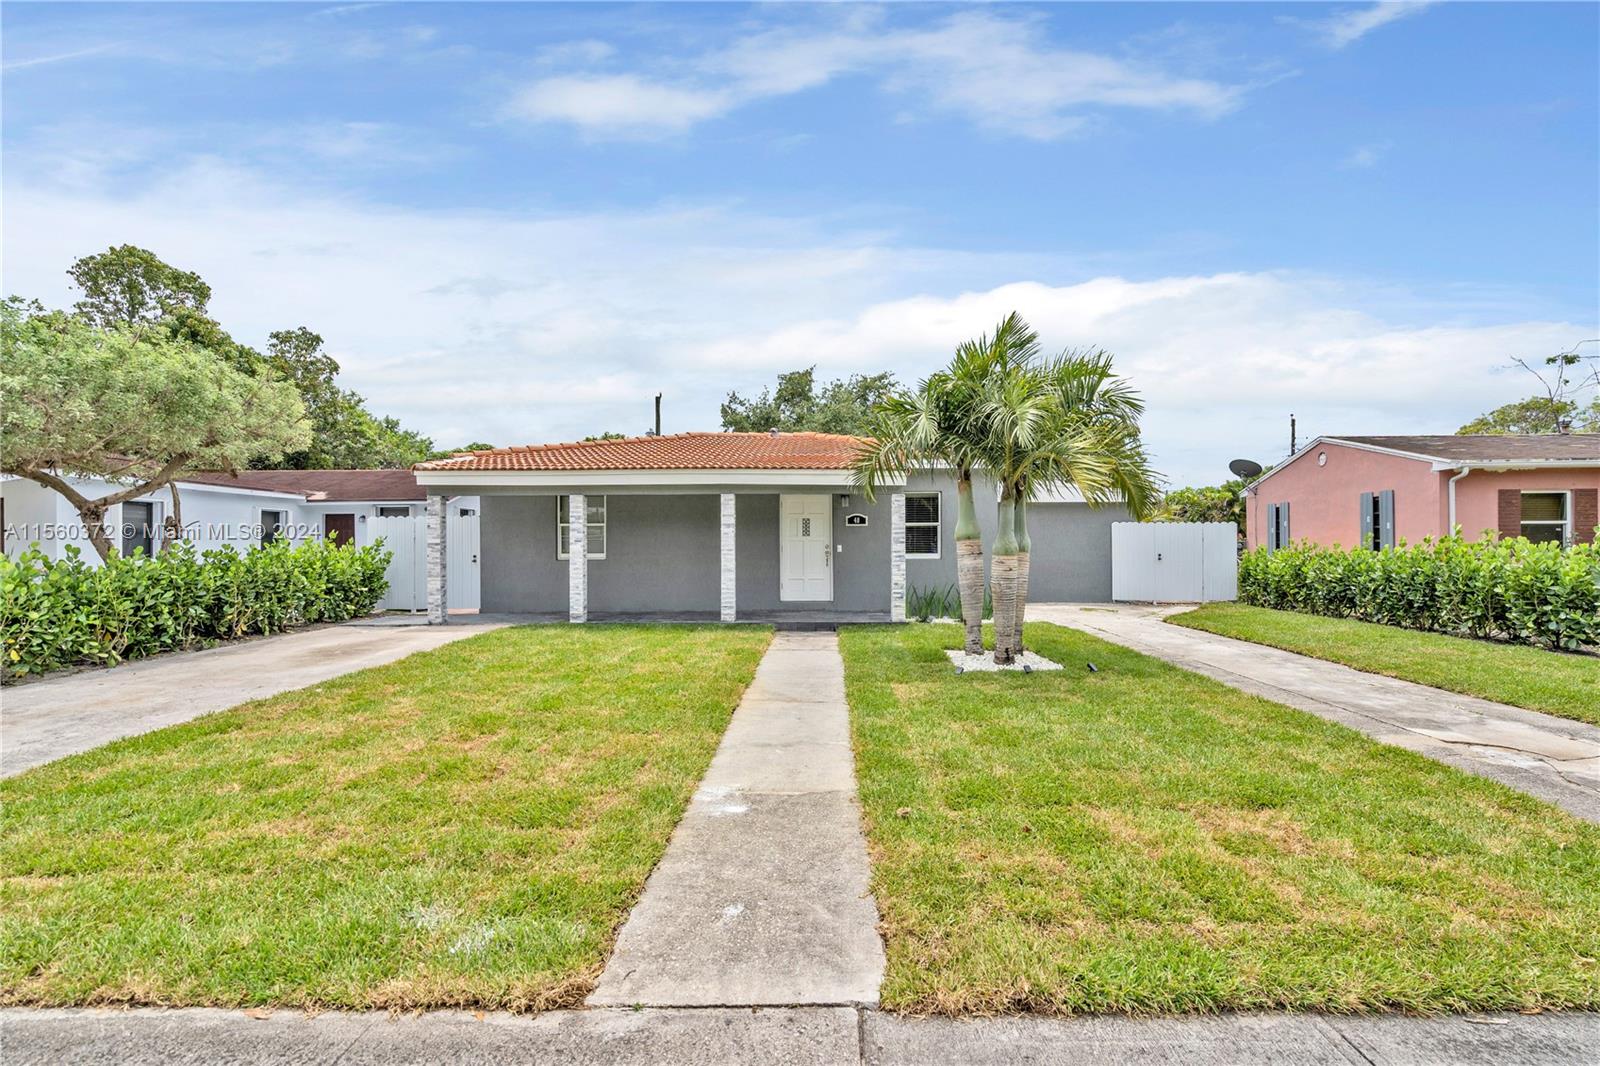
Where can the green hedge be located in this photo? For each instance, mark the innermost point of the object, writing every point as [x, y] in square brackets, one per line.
[56, 613]
[1505, 589]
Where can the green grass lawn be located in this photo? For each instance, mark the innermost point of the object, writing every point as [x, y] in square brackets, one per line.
[1145, 839]
[1557, 683]
[465, 827]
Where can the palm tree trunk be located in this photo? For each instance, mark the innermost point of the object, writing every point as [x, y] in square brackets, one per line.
[969, 564]
[1024, 547]
[1003, 580]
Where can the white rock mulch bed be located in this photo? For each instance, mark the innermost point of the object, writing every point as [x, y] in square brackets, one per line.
[984, 664]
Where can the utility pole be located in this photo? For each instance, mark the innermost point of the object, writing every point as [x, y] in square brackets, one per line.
[1292, 441]
[658, 414]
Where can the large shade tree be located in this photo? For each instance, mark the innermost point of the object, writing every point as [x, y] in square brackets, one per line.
[130, 403]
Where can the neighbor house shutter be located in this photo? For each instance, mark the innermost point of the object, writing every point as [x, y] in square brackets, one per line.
[1510, 513]
[1366, 520]
[1585, 515]
[1386, 518]
[1283, 525]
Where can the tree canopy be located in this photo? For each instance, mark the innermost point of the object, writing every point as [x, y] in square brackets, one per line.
[1537, 414]
[841, 406]
[133, 287]
[127, 285]
[134, 405]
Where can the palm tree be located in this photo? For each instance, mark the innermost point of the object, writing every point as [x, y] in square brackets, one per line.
[940, 426]
[926, 429]
[1090, 394]
[1064, 423]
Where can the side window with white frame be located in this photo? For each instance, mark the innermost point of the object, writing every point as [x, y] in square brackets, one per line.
[922, 525]
[394, 512]
[272, 523]
[596, 524]
[1547, 516]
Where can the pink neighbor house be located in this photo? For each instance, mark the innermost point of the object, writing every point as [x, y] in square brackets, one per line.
[1375, 491]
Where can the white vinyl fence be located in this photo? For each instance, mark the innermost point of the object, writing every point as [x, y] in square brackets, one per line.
[407, 537]
[1174, 562]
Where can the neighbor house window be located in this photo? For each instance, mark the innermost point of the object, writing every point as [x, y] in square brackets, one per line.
[1545, 517]
[1277, 526]
[138, 528]
[272, 523]
[596, 506]
[922, 525]
[394, 512]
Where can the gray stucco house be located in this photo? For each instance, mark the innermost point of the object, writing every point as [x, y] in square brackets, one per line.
[727, 525]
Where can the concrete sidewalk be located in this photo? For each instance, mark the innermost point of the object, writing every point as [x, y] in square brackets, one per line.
[803, 1036]
[762, 896]
[45, 720]
[1555, 759]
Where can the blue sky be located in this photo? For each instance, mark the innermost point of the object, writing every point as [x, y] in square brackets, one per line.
[518, 222]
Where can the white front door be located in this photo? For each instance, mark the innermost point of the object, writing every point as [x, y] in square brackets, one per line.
[805, 547]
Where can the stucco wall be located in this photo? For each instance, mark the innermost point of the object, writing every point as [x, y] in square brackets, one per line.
[1325, 501]
[662, 552]
[1070, 558]
[1478, 494]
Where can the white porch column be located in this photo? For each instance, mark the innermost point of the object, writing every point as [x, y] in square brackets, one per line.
[438, 583]
[577, 559]
[730, 590]
[897, 557]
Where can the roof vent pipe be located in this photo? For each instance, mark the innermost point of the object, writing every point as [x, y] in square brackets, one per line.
[773, 432]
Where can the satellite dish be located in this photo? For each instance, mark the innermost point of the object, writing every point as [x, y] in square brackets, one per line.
[1245, 468]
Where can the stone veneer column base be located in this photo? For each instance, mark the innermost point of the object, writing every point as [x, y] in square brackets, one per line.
[577, 558]
[438, 579]
[897, 557]
[730, 590]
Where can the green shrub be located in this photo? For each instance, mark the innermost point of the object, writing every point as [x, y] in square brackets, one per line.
[56, 613]
[923, 605]
[1508, 589]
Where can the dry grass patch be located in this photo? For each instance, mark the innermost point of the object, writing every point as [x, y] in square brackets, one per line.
[466, 827]
[1144, 839]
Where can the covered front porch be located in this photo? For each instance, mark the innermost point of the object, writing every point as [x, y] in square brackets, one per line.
[794, 554]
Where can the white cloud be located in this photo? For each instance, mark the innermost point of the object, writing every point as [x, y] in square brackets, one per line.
[617, 105]
[57, 57]
[995, 71]
[523, 328]
[1366, 156]
[1349, 26]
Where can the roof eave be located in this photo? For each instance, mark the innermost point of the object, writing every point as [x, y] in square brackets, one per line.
[558, 479]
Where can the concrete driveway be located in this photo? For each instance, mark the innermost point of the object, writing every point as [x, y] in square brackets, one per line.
[1555, 759]
[45, 720]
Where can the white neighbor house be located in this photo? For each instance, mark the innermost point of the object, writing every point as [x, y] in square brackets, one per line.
[251, 508]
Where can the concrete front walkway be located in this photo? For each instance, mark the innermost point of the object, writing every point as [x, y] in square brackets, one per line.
[803, 1036]
[762, 896]
[55, 717]
[1555, 759]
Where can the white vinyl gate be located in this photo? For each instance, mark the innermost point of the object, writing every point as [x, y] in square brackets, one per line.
[407, 537]
[1174, 562]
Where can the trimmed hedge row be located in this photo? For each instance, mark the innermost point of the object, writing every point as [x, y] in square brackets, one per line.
[1509, 589]
[56, 613]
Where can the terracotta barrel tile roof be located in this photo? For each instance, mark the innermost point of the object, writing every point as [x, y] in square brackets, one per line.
[675, 451]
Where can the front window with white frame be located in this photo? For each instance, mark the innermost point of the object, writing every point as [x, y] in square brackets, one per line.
[596, 506]
[1547, 517]
[922, 525]
[272, 526]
